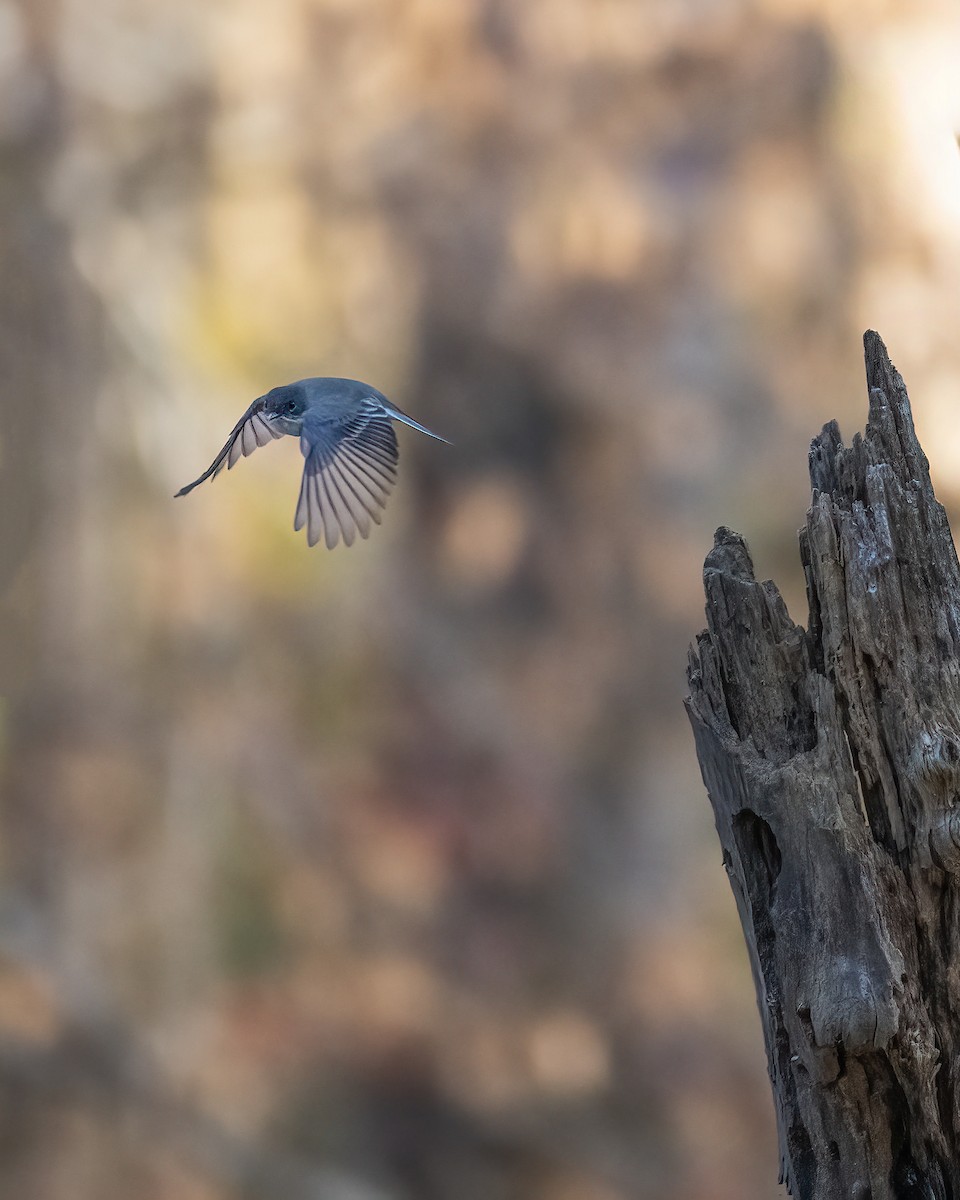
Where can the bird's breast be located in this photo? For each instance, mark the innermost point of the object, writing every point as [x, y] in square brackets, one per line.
[289, 425]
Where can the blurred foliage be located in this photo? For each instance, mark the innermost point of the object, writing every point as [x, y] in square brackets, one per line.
[389, 873]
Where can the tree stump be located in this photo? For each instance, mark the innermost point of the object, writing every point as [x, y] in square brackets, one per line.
[831, 755]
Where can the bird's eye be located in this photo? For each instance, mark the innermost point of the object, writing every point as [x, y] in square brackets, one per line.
[290, 406]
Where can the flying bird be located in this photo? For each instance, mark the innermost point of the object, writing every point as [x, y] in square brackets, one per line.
[348, 443]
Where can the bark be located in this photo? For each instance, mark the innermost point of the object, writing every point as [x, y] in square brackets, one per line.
[831, 755]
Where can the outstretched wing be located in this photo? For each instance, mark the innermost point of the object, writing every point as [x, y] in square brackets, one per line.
[251, 431]
[350, 470]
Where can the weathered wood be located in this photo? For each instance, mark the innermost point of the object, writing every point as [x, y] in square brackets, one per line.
[832, 759]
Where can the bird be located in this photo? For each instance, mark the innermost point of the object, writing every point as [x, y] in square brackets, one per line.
[349, 447]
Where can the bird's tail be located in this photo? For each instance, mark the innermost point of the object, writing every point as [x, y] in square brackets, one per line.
[399, 415]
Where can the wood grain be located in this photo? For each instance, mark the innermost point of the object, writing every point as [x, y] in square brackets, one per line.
[831, 756]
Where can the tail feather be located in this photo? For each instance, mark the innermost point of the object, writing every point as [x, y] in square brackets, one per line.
[399, 415]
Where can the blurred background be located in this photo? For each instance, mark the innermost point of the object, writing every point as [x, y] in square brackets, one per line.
[388, 874]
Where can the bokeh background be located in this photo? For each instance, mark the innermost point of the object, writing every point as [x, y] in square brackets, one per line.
[388, 874]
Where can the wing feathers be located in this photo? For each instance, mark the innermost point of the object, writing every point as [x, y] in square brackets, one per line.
[368, 483]
[251, 431]
[349, 471]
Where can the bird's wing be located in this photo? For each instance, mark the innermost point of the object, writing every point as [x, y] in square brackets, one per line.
[350, 470]
[251, 431]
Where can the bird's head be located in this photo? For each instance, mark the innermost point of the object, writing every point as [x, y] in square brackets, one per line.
[285, 406]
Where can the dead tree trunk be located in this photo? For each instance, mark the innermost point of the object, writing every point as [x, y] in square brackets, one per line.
[832, 758]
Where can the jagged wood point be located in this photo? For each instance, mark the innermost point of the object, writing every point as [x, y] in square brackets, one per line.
[831, 756]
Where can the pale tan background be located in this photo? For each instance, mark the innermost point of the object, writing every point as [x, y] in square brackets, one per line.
[389, 873]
